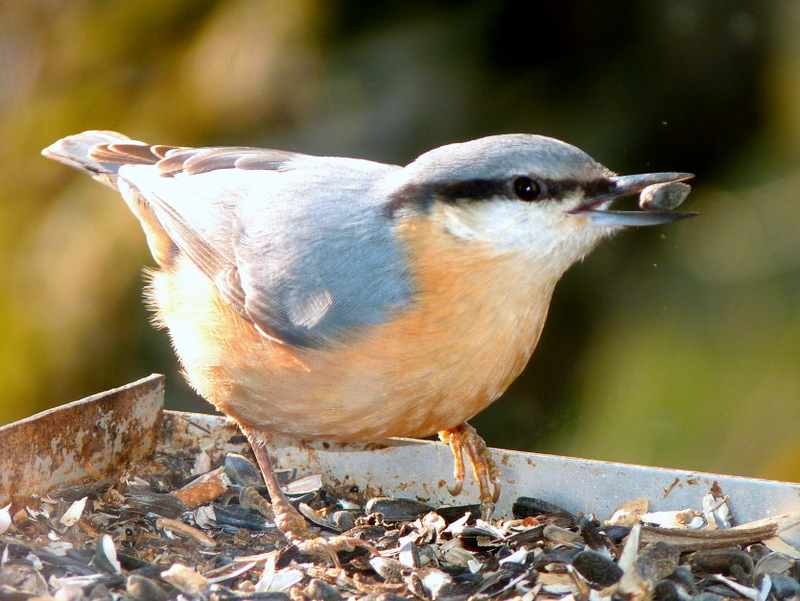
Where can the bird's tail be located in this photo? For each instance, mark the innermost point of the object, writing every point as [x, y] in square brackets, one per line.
[76, 151]
[101, 154]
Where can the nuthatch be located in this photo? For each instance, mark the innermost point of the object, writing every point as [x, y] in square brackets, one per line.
[343, 299]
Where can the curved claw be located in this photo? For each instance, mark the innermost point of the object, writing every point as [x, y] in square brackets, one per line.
[457, 448]
[291, 522]
[466, 438]
[455, 440]
[319, 546]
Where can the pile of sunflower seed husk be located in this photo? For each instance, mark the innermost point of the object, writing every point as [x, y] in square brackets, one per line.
[192, 527]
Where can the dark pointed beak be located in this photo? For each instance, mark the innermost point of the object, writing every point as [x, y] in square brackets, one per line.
[596, 207]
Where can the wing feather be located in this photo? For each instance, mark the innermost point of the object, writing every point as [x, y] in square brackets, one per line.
[293, 243]
[301, 246]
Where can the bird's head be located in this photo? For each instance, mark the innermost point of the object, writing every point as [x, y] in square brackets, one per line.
[528, 194]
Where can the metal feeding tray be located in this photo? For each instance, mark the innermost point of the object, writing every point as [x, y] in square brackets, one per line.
[109, 432]
[114, 497]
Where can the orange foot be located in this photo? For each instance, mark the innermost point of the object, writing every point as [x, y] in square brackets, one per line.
[291, 523]
[294, 528]
[465, 438]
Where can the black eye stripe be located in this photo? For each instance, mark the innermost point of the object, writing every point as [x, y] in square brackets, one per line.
[422, 195]
[470, 189]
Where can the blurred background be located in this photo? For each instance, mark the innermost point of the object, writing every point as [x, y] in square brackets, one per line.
[676, 346]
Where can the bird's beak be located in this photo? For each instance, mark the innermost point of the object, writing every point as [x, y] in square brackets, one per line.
[596, 207]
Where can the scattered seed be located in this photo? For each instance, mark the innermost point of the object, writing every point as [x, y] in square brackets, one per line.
[73, 514]
[143, 545]
[185, 580]
[186, 530]
[204, 489]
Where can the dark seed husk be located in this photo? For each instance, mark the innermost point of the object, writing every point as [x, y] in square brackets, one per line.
[83, 556]
[319, 590]
[343, 519]
[239, 517]
[398, 509]
[656, 561]
[145, 501]
[150, 570]
[666, 590]
[160, 483]
[597, 568]
[721, 560]
[707, 597]
[100, 592]
[451, 513]
[144, 589]
[502, 579]
[391, 597]
[366, 532]
[316, 518]
[529, 535]
[72, 565]
[20, 580]
[73, 492]
[590, 531]
[615, 533]
[531, 507]
[475, 532]
[389, 569]
[684, 578]
[759, 552]
[130, 563]
[740, 575]
[785, 587]
[554, 555]
[105, 556]
[242, 471]
[286, 475]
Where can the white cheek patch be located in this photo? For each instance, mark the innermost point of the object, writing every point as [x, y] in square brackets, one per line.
[537, 232]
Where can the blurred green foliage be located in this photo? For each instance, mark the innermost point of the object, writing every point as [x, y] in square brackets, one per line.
[676, 346]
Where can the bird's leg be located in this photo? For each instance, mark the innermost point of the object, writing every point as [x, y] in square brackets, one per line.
[290, 521]
[465, 438]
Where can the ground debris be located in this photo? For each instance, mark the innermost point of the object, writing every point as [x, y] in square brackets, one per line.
[195, 524]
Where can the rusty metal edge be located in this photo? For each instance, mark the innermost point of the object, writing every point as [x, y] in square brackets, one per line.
[108, 431]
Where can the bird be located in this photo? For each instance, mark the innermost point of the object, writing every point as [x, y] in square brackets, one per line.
[344, 299]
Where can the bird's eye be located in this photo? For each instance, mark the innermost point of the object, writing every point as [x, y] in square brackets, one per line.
[526, 189]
